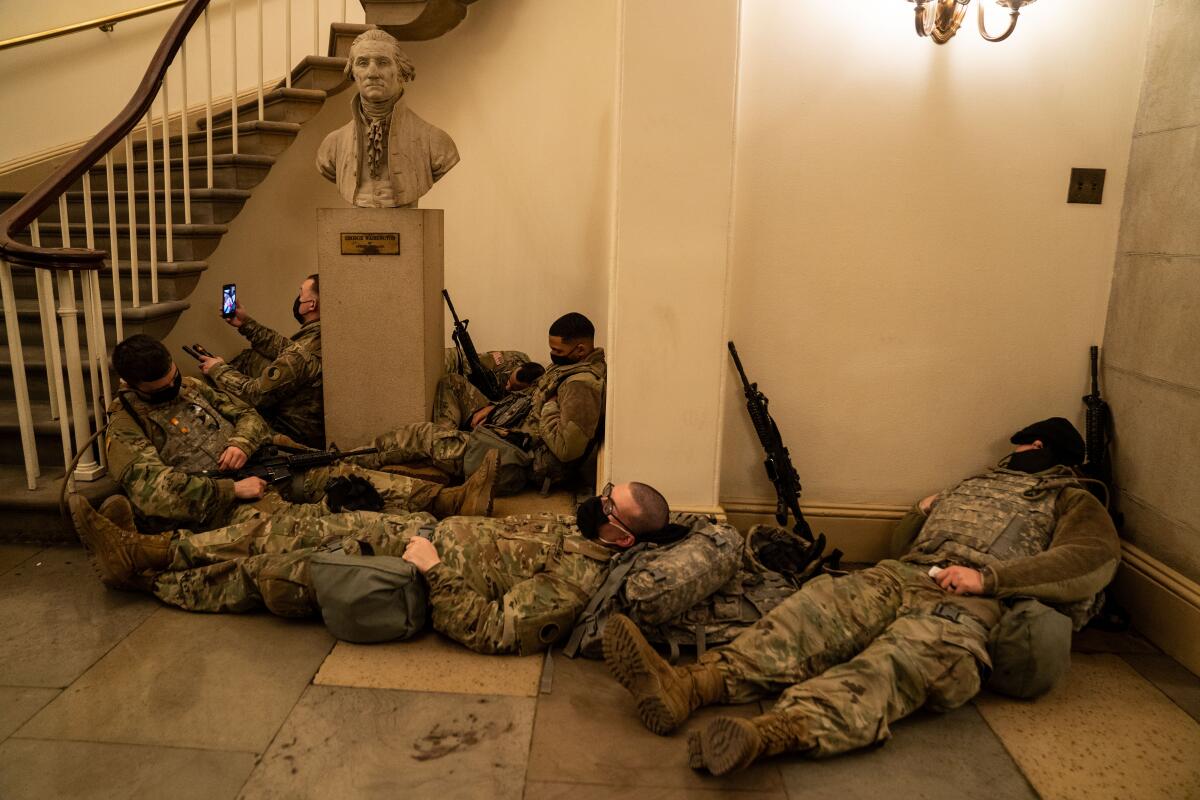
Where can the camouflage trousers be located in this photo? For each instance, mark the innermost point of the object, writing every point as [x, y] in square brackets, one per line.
[263, 562]
[420, 442]
[853, 654]
[454, 401]
[401, 494]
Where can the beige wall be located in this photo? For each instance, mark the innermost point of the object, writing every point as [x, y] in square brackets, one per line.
[909, 285]
[1151, 366]
[526, 89]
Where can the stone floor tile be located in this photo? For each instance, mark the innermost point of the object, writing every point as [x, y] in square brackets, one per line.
[1170, 677]
[1103, 732]
[544, 790]
[220, 681]
[57, 619]
[587, 731]
[38, 769]
[429, 663]
[930, 756]
[1093, 640]
[18, 704]
[532, 502]
[13, 554]
[376, 743]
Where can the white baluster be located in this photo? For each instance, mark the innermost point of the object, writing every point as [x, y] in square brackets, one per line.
[49, 325]
[114, 246]
[88, 469]
[167, 201]
[92, 315]
[135, 290]
[287, 43]
[233, 104]
[183, 131]
[261, 115]
[152, 209]
[208, 98]
[54, 360]
[17, 356]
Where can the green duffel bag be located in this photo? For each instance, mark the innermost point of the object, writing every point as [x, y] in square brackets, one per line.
[1030, 649]
[514, 465]
[369, 598]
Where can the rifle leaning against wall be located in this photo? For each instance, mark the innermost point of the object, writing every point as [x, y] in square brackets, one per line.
[480, 376]
[780, 470]
[1097, 464]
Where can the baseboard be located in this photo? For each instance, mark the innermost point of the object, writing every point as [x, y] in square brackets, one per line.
[862, 532]
[1163, 604]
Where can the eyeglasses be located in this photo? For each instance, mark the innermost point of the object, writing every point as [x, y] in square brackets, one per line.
[610, 508]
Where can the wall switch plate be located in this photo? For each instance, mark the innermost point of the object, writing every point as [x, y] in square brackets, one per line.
[1087, 186]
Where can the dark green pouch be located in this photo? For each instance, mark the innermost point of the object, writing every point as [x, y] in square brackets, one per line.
[369, 598]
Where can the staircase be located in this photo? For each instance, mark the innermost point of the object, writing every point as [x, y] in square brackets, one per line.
[34, 515]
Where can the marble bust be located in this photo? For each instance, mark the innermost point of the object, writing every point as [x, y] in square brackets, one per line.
[386, 156]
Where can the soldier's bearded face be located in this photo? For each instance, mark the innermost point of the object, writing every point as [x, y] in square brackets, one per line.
[376, 72]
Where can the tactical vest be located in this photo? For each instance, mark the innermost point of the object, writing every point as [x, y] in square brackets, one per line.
[998, 516]
[593, 370]
[188, 433]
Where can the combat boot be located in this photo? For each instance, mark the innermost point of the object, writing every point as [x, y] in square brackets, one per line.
[732, 743]
[665, 695]
[117, 510]
[121, 557]
[473, 498]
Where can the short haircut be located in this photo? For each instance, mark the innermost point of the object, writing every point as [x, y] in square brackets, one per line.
[141, 359]
[572, 327]
[403, 63]
[316, 283]
[650, 512]
[529, 372]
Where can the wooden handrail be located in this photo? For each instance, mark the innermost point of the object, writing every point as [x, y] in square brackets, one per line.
[103, 23]
[38, 199]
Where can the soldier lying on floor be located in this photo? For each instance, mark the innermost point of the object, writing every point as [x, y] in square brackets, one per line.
[853, 654]
[511, 585]
[166, 430]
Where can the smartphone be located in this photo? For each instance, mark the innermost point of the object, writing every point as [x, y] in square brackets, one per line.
[228, 300]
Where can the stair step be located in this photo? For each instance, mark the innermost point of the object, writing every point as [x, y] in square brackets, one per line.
[209, 206]
[176, 279]
[153, 319]
[35, 371]
[341, 35]
[241, 171]
[191, 242]
[280, 104]
[34, 516]
[46, 431]
[327, 73]
[261, 138]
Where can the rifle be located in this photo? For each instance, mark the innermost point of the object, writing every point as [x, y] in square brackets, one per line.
[1097, 465]
[275, 466]
[480, 377]
[779, 461]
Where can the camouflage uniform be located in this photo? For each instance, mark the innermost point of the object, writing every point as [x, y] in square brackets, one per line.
[568, 403]
[155, 453]
[853, 654]
[512, 585]
[501, 362]
[285, 386]
[456, 398]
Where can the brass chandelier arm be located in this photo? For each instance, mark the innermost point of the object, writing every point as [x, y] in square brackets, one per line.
[1012, 25]
[943, 21]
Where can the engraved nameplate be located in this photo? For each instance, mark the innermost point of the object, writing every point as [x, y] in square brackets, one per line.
[370, 244]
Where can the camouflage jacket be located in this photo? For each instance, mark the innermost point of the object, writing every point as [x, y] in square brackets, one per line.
[501, 362]
[512, 585]
[287, 391]
[165, 496]
[568, 402]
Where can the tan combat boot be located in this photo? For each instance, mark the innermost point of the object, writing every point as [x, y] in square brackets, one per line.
[117, 510]
[473, 498]
[732, 743]
[121, 557]
[665, 695]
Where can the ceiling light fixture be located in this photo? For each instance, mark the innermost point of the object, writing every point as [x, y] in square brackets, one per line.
[940, 19]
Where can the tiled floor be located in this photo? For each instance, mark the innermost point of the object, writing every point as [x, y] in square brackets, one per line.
[105, 694]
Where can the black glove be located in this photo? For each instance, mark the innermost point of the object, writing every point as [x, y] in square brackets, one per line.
[352, 493]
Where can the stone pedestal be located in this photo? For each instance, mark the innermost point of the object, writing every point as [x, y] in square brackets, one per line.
[381, 318]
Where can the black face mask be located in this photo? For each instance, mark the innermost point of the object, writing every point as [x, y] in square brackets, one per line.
[562, 361]
[589, 517]
[296, 310]
[1032, 461]
[166, 394]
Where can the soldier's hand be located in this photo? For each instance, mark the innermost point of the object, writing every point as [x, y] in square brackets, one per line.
[926, 505]
[239, 315]
[960, 580]
[479, 416]
[208, 362]
[249, 488]
[232, 459]
[421, 553]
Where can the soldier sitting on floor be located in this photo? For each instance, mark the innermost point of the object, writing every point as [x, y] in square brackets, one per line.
[512, 585]
[166, 431]
[458, 405]
[853, 654]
